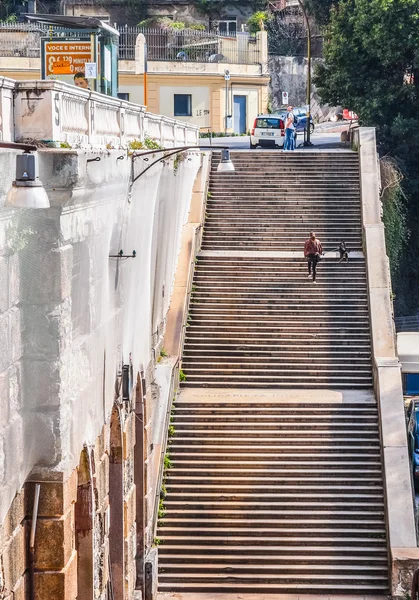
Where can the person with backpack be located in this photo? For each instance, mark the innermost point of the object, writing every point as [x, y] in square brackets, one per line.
[313, 251]
[290, 123]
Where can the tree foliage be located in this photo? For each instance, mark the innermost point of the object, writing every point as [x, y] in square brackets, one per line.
[320, 9]
[371, 66]
[215, 9]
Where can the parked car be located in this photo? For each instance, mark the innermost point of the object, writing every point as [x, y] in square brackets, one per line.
[301, 114]
[413, 439]
[268, 131]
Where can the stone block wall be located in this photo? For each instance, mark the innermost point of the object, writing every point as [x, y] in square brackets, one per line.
[289, 74]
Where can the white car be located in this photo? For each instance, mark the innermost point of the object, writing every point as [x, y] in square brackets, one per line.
[268, 131]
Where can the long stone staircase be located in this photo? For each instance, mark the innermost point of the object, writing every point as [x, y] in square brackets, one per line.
[276, 483]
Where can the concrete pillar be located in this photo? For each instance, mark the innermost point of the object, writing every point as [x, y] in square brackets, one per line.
[140, 56]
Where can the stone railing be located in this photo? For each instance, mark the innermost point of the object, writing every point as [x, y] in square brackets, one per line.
[404, 554]
[57, 112]
[6, 109]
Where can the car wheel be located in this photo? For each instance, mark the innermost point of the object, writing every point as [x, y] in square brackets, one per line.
[311, 127]
[253, 146]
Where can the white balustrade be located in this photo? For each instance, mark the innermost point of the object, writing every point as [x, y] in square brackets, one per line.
[192, 136]
[180, 134]
[58, 112]
[168, 132]
[132, 126]
[6, 109]
[75, 124]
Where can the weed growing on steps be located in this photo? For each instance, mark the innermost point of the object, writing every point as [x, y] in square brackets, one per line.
[167, 462]
[163, 353]
[172, 431]
[162, 510]
[209, 195]
[182, 376]
[156, 541]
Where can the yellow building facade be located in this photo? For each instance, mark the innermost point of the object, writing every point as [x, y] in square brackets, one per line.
[221, 95]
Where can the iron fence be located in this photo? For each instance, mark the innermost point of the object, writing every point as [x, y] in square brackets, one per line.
[190, 45]
[186, 45]
[21, 39]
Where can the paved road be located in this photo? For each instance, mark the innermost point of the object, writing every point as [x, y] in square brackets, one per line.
[320, 139]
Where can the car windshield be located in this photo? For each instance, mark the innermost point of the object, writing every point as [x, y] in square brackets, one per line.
[268, 123]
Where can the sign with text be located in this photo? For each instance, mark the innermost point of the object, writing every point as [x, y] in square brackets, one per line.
[90, 70]
[284, 97]
[65, 57]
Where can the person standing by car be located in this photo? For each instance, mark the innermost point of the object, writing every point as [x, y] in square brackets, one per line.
[312, 252]
[289, 143]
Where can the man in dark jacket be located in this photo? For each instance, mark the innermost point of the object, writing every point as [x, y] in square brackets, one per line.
[312, 252]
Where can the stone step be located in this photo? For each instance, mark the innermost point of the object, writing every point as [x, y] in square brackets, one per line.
[285, 383]
[277, 554]
[233, 591]
[237, 508]
[332, 537]
[235, 568]
[273, 418]
[319, 440]
[270, 437]
[288, 363]
[301, 410]
[287, 556]
[205, 315]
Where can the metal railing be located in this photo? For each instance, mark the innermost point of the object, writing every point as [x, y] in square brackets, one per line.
[190, 45]
[186, 45]
[21, 39]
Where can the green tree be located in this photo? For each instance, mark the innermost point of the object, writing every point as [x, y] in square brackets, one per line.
[371, 66]
[257, 21]
[320, 9]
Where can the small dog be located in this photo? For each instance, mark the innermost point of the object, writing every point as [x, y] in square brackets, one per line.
[343, 252]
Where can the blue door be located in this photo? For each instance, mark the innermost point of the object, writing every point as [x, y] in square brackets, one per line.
[239, 114]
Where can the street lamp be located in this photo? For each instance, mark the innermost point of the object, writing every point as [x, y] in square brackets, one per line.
[225, 164]
[307, 141]
[27, 190]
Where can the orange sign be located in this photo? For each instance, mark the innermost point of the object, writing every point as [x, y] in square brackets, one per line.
[66, 58]
[61, 67]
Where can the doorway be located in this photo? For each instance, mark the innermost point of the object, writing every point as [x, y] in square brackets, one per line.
[240, 117]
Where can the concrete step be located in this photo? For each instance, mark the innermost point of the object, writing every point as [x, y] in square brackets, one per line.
[317, 440]
[277, 554]
[196, 567]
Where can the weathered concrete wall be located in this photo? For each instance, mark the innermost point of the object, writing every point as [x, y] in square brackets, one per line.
[70, 318]
[289, 74]
[401, 530]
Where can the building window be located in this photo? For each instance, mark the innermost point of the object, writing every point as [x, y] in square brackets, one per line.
[183, 105]
[227, 27]
[123, 96]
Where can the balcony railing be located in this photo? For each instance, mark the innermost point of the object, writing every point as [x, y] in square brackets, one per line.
[186, 45]
[189, 45]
